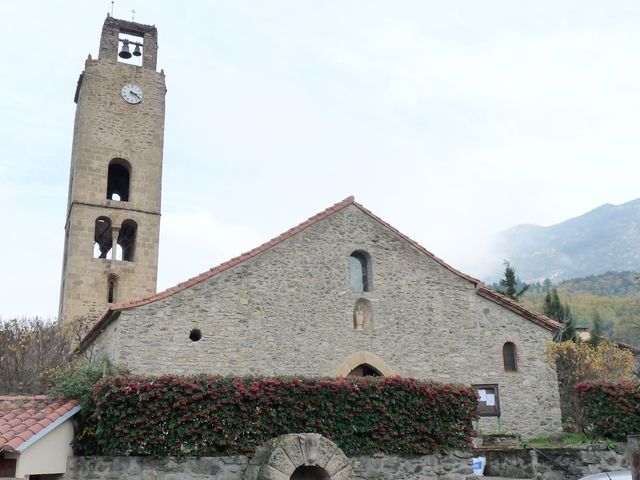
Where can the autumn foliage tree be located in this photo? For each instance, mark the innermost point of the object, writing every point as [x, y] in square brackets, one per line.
[31, 349]
[577, 362]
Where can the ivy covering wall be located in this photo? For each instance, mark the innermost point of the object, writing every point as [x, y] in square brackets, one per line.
[211, 416]
[609, 409]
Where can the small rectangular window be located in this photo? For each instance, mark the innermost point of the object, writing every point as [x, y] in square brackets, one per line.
[488, 399]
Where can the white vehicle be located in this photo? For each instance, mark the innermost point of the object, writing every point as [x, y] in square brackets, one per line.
[617, 475]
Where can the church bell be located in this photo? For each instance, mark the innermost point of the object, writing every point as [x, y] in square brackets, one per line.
[136, 51]
[125, 53]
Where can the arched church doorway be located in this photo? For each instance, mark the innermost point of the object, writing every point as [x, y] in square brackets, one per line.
[374, 366]
[365, 370]
[310, 472]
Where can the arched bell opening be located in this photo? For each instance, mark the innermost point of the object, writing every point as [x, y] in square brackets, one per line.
[118, 180]
[310, 472]
[127, 241]
[102, 239]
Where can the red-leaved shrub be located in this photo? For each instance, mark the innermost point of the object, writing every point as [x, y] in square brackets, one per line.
[609, 409]
[211, 415]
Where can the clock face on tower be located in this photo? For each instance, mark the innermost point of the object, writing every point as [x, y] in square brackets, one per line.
[132, 93]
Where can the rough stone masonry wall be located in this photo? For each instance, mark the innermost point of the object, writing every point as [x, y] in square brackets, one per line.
[449, 467]
[551, 464]
[107, 128]
[555, 463]
[290, 309]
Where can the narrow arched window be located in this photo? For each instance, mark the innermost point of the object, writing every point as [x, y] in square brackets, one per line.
[510, 357]
[127, 241]
[360, 271]
[118, 180]
[102, 239]
[112, 285]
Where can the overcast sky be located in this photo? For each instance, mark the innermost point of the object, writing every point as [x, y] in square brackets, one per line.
[450, 120]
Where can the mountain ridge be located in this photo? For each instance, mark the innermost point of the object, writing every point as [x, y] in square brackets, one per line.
[606, 238]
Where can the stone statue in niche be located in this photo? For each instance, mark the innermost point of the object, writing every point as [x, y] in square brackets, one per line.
[362, 315]
[309, 443]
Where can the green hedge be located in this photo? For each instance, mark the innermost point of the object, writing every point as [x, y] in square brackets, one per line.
[210, 415]
[609, 409]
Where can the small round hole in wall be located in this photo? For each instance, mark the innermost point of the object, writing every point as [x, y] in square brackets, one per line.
[195, 335]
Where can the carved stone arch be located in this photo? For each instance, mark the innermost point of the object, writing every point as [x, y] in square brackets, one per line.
[286, 456]
[359, 358]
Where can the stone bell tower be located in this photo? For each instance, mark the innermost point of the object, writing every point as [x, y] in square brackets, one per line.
[113, 215]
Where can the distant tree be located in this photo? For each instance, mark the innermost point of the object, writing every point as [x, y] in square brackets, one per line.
[552, 307]
[597, 330]
[511, 286]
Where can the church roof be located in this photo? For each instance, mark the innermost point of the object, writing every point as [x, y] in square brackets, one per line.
[481, 289]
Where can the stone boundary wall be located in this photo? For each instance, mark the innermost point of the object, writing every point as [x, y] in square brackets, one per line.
[555, 463]
[456, 466]
[543, 464]
[149, 468]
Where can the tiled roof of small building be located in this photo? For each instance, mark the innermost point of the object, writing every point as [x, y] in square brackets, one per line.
[22, 418]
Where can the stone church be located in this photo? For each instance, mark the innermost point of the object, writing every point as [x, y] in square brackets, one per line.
[343, 293]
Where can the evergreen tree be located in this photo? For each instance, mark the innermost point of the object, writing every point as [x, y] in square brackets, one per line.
[511, 286]
[597, 331]
[553, 308]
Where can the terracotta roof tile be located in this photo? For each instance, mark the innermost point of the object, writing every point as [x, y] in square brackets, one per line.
[14, 422]
[36, 428]
[22, 417]
[45, 422]
[29, 422]
[481, 289]
[14, 443]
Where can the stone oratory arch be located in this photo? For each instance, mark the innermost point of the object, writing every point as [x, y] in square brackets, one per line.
[299, 456]
[363, 358]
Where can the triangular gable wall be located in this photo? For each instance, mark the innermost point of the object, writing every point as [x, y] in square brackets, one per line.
[480, 288]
